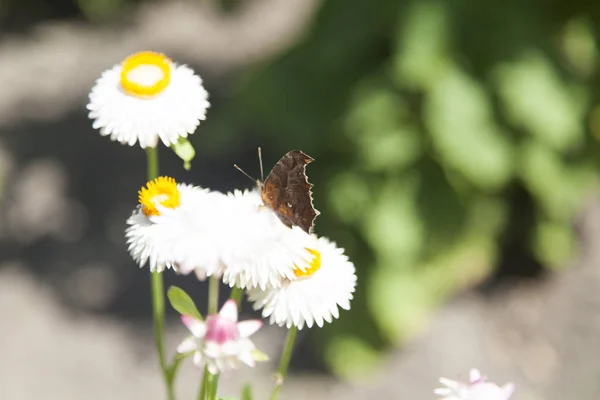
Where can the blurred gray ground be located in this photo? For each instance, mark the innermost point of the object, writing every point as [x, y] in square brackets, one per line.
[74, 310]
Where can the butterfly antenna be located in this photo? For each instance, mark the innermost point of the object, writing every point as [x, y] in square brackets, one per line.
[244, 172]
[262, 175]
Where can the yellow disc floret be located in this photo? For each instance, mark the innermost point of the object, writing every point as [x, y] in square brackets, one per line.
[313, 266]
[145, 74]
[162, 190]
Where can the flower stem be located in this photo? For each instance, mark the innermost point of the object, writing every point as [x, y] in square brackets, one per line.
[204, 385]
[158, 293]
[208, 390]
[213, 295]
[285, 362]
[236, 295]
[214, 385]
[152, 162]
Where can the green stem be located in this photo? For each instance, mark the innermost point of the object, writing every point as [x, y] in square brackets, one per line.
[213, 295]
[158, 306]
[236, 295]
[158, 293]
[208, 389]
[213, 387]
[204, 385]
[285, 362]
[152, 162]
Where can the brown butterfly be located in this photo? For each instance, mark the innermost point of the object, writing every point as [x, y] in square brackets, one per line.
[287, 190]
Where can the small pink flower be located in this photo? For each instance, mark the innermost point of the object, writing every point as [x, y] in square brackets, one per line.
[221, 342]
[477, 389]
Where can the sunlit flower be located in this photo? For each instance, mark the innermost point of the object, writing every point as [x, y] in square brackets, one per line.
[147, 97]
[477, 389]
[313, 295]
[257, 248]
[163, 231]
[221, 343]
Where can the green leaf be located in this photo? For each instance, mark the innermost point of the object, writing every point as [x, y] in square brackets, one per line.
[557, 185]
[536, 98]
[259, 355]
[349, 196]
[184, 150]
[458, 114]
[247, 392]
[351, 358]
[579, 46]
[100, 10]
[393, 226]
[553, 243]
[441, 211]
[423, 45]
[378, 124]
[182, 303]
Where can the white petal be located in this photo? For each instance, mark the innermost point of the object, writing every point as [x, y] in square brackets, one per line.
[261, 250]
[173, 113]
[212, 368]
[450, 383]
[474, 375]
[486, 391]
[443, 392]
[182, 236]
[247, 358]
[200, 274]
[311, 300]
[212, 349]
[229, 310]
[197, 359]
[197, 327]
[508, 390]
[247, 328]
[189, 344]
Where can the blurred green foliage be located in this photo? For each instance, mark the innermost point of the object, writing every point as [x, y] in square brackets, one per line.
[438, 125]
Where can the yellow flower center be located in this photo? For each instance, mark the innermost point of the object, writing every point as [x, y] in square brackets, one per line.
[313, 266]
[161, 191]
[145, 74]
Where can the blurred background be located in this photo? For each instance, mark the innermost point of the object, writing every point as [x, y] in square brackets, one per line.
[457, 161]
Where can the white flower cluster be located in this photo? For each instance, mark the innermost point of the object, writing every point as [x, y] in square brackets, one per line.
[296, 278]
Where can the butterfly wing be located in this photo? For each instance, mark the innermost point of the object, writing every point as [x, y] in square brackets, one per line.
[288, 192]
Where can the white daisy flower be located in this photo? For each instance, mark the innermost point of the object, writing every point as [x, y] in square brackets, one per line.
[477, 389]
[147, 97]
[313, 295]
[163, 231]
[221, 343]
[257, 248]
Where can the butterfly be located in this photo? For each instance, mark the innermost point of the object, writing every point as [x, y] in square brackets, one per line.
[287, 190]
